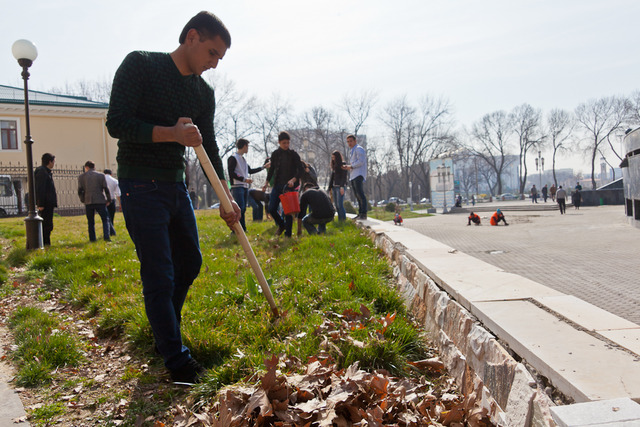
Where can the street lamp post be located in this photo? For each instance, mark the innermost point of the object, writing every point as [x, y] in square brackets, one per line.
[540, 161]
[25, 52]
[444, 174]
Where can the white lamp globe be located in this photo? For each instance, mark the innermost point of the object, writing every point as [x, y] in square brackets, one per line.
[24, 49]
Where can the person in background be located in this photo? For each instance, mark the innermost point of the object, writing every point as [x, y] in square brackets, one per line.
[561, 196]
[321, 210]
[544, 190]
[576, 199]
[309, 174]
[497, 217]
[285, 170]
[94, 193]
[338, 184]
[534, 194]
[358, 174]
[256, 200]
[239, 172]
[473, 218]
[114, 189]
[578, 186]
[46, 198]
[160, 105]
[552, 192]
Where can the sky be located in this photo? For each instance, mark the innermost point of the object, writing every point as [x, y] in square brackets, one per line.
[482, 56]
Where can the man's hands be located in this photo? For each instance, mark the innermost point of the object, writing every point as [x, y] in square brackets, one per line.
[230, 217]
[186, 133]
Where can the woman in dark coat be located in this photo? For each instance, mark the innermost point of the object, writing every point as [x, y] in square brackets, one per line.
[338, 183]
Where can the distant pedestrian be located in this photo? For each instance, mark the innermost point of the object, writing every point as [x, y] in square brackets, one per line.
[552, 192]
[46, 198]
[497, 217]
[576, 199]
[473, 200]
[94, 193]
[534, 194]
[473, 218]
[321, 210]
[544, 193]
[561, 195]
[114, 189]
[578, 186]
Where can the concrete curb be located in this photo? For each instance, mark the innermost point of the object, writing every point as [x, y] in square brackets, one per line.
[468, 305]
[11, 409]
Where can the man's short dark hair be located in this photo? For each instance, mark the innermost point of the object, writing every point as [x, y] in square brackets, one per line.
[241, 143]
[351, 136]
[90, 164]
[284, 135]
[208, 26]
[47, 158]
[107, 171]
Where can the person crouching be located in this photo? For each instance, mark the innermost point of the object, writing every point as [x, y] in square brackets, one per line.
[321, 210]
[474, 218]
[497, 217]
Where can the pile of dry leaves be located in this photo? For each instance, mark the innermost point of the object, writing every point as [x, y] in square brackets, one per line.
[327, 396]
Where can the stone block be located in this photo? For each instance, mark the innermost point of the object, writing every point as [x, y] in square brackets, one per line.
[615, 412]
[519, 405]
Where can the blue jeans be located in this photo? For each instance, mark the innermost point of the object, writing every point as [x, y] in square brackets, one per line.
[240, 195]
[256, 206]
[274, 202]
[310, 223]
[160, 220]
[112, 214]
[90, 211]
[338, 200]
[357, 184]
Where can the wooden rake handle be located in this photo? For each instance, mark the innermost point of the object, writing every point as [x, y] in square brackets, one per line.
[225, 202]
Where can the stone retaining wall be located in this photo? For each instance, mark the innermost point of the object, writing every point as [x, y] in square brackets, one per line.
[472, 355]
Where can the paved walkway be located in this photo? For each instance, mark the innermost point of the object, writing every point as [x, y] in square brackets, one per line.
[591, 253]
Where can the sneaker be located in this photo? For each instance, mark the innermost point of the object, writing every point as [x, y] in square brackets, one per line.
[190, 373]
[280, 231]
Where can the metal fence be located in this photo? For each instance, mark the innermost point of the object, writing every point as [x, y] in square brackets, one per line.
[65, 178]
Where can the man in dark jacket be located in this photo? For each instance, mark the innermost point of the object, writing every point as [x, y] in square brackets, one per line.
[94, 193]
[46, 199]
[321, 210]
[285, 170]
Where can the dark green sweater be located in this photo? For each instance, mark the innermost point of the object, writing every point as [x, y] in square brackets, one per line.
[148, 90]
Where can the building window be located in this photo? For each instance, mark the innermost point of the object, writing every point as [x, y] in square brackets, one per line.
[9, 133]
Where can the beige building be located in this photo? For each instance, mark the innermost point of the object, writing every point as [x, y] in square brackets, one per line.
[71, 128]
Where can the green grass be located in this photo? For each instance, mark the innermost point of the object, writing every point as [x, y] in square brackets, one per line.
[381, 214]
[227, 322]
[42, 346]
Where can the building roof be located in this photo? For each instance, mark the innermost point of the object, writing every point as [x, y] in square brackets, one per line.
[14, 95]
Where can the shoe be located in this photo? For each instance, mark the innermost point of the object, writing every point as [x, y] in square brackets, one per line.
[362, 217]
[190, 373]
[280, 231]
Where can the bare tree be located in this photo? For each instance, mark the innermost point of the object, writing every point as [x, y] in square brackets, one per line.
[526, 124]
[601, 118]
[94, 90]
[234, 111]
[269, 118]
[560, 125]
[358, 107]
[491, 135]
[418, 134]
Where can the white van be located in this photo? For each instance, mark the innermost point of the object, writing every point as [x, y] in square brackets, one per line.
[8, 197]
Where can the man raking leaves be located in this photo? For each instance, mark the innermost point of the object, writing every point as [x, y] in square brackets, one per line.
[159, 105]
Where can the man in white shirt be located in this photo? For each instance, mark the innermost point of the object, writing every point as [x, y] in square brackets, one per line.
[114, 189]
[358, 174]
